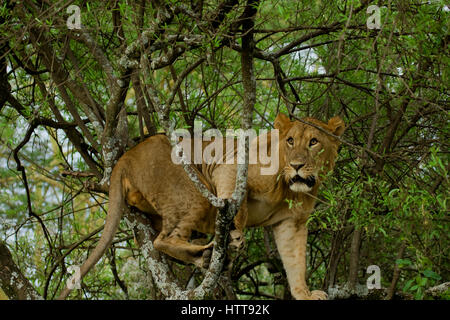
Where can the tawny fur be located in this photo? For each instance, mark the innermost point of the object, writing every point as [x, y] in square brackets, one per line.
[146, 178]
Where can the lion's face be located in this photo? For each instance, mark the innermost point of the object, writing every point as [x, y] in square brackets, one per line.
[307, 153]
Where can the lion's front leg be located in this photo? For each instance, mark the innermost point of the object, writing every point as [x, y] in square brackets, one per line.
[224, 178]
[237, 237]
[291, 237]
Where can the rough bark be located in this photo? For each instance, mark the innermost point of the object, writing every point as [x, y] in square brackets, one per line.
[12, 281]
[396, 274]
[227, 207]
[438, 290]
[354, 259]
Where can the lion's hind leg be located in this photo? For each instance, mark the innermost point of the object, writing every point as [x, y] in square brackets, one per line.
[174, 239]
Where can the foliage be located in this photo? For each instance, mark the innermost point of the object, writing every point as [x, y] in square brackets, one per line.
[312, 58]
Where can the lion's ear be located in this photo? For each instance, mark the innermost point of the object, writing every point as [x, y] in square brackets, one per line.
[336, 125]
[282, 122]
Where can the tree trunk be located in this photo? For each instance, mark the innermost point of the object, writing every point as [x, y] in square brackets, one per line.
[354, 259]
[12, 281]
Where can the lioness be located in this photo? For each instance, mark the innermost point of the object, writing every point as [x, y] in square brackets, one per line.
[146, 178]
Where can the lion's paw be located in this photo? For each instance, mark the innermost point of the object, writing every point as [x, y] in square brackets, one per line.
[237, 241]
[318, 295]
[305, 294]
[205, 259]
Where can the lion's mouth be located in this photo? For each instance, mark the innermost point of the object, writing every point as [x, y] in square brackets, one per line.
[310, 181]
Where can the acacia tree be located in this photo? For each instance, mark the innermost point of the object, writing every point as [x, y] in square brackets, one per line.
[74, 98]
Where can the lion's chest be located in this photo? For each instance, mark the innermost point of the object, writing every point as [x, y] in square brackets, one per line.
[263, 213]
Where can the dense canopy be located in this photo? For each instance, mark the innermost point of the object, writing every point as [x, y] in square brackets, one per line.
[81, 82]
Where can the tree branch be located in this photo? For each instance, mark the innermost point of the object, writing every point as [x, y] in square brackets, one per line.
[12, 280]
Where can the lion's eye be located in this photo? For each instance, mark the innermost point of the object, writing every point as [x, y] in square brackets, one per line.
[290, 140]
[313, 141]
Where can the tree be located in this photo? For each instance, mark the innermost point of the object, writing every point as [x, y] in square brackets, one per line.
[73, 100]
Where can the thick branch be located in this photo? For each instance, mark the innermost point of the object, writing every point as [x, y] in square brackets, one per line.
[12, 281]
[230, 206]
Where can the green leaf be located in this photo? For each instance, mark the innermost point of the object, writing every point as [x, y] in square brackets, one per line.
[408, 285]
[403, 262]
[431, 274]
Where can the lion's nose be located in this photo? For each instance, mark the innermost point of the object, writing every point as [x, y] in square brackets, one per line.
[297, 166]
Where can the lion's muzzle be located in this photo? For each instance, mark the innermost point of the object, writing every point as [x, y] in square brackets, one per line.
[310, 181]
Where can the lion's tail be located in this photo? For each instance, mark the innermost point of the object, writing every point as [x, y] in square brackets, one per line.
[116, 207]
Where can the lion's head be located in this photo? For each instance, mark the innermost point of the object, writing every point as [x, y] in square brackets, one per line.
[306, 153]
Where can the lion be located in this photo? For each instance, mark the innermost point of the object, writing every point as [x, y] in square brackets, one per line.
[146, 178]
